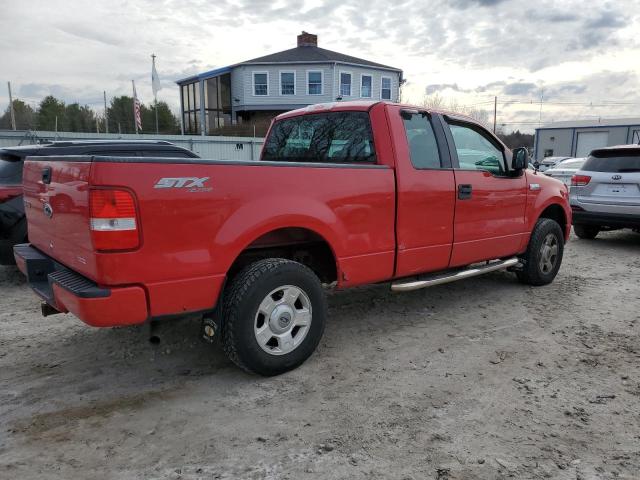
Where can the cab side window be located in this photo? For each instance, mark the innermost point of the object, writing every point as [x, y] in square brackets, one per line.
[476, 150]
[421, 139]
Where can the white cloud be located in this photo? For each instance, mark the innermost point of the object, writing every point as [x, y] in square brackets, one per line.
[76, 49]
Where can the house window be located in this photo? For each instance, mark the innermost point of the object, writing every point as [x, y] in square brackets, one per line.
[314, 83]
[345, 84]
[287, 83]
[191, 108]
[385, 93]
[365, 86]
[260, 83]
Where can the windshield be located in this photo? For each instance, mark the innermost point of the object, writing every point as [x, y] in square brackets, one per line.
[10, 172]
[619, 162]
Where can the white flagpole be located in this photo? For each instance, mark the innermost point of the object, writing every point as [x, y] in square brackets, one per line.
[155, 93]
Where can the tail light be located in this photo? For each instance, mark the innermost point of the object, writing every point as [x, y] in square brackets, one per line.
[580, 180]
[113, 221]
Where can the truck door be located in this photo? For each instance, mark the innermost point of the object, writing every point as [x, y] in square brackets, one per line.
[490, 199]
[425, 193]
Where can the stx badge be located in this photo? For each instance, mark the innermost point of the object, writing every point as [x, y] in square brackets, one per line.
[194, 184]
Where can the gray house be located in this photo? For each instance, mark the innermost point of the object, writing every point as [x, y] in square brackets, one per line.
[261, 88]
[578, 138]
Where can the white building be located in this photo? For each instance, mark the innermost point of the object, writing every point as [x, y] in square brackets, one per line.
[266, 86]
[577, 138]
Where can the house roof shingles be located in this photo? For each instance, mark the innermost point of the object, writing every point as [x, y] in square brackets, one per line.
[313, 54]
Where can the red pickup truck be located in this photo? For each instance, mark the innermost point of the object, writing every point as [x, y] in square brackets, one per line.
[344, 194]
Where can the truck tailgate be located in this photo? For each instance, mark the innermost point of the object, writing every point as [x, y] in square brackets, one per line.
[56, 196]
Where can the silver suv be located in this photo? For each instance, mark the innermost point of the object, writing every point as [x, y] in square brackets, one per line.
[605, 192]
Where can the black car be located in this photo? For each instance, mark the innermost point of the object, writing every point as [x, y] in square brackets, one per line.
[13, 224]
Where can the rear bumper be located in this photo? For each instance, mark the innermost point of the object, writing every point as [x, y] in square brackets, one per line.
[606, 219]
[67, 291]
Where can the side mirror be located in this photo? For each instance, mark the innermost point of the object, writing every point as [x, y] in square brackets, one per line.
[520, 158]
[536, 165]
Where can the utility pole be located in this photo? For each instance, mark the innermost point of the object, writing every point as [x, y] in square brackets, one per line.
[13, 113]
[541, 99]
[495, 112]
[97, 128]
[106, 115]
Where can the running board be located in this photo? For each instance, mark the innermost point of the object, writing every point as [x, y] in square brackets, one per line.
[446, 277]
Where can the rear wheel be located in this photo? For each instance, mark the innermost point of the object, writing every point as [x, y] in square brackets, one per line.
[543, 257]
[273, 316]
[587, 232]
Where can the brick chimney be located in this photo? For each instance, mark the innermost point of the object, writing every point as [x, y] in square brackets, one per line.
[307, 40]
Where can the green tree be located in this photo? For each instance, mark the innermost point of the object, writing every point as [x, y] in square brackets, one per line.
[51, 113]
[120, 115]
[168, 123]
[25, 116]
[79, 118]
[517, 139]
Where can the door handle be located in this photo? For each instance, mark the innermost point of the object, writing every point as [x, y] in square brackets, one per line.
[46, 175]
[464, 191]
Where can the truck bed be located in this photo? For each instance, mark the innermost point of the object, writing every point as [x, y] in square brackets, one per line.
[190, 236]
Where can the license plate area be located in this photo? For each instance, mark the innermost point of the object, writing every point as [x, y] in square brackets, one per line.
[618, 189]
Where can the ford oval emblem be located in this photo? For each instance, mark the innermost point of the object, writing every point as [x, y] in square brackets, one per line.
[48, 211]
[617, 177]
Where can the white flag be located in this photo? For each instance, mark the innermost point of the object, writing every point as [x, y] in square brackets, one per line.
[155, 80]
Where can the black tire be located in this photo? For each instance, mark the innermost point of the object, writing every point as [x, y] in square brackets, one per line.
[242, 300]
[533, 273]
[587, 232]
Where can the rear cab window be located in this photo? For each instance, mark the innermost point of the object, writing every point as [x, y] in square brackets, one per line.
[613, 161]
[335, 137]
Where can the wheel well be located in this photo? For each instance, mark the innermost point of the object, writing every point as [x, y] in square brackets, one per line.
[555, 212]
[298, 244]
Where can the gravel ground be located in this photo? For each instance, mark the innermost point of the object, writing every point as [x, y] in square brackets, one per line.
[479, 379]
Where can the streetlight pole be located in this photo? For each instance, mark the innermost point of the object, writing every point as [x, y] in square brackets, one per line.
[495, 112]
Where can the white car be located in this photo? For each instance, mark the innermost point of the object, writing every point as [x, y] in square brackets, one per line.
[605, 192]
[566, 169]
[550, 162]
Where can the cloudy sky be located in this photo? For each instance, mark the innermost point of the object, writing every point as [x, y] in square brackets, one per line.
[582, 57]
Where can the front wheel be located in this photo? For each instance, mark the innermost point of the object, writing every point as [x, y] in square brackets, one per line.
[543, 257]
[273, 316]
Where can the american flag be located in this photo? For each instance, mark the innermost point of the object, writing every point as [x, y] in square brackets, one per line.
[136, 109]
